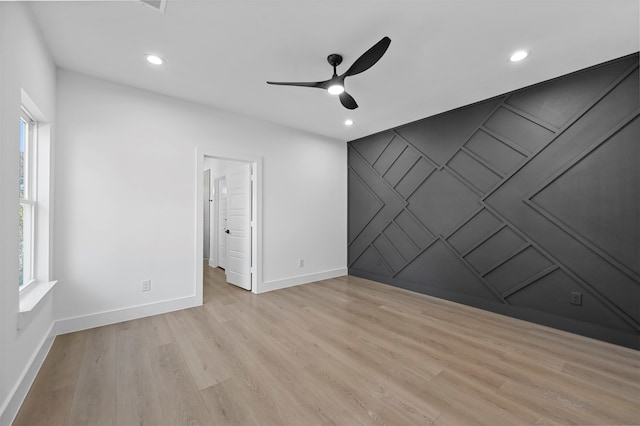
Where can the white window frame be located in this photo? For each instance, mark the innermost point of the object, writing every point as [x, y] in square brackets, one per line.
[40, 200]
[29, 201]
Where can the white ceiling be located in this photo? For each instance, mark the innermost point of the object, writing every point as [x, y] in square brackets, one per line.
[443, 54]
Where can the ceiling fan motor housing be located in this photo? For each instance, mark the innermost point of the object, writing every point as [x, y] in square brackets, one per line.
[334, 59]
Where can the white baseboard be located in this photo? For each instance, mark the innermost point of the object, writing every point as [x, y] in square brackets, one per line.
[84, 322]
[301, 279]
[68, 325]
[19, 392]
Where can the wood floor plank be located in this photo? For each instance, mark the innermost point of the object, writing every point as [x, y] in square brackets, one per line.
[157, 330]
[182, 403]
[46, 408]
[137, 402]
[201, 356]
[226, 402]
[94, 399]
[343, 351]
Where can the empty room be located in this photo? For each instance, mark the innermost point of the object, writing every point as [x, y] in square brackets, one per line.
[349, 212]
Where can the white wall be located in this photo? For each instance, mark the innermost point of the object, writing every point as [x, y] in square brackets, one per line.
[125, 186]
[25, 64]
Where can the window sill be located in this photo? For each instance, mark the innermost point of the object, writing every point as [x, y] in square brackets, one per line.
[30, 298]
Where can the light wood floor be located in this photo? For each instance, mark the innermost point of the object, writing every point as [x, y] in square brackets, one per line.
[344, 351]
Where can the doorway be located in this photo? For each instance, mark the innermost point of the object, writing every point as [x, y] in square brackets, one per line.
[234, 218]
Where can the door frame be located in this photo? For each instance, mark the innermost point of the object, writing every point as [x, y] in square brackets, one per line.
[206, 201]
[215, 254]
[256, 225]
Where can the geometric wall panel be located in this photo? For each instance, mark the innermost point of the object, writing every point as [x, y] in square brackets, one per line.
[417, 173]
[513, 203]
[442, 201]
[389, 253]
[496, 249]
[418, 234]
[598, 197]
[543, 296]
[518, 129]
[389, 155]
[366, 201]
[401, 166]
[501, 156]
[481, 226]
[371, 261]
[474, 172]
[559, 100]
[437, 138]
[401, 242]
[373, 147]
[439, 268]
[517, 270]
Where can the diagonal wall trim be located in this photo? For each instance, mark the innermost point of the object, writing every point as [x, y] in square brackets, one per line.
[465, 176]
[421, 182]
[483, 240]
[395, 249]
[466, 220]
[422, 154]
[529, 117]
[393, 162]
[572, 121]
[584, 154]
[381, 152]
[404, 175]
[404, 233]
[575, 277]
[484, 163]
[510, 256]
[631, 274]
[462, 180]
[567, 228]
[530, 281]
[511, 144]
[371, 169]
[374, 195]
[420, 253]
[375, 250]
[486, 283]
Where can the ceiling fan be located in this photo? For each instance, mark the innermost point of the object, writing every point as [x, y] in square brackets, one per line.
[335, 85]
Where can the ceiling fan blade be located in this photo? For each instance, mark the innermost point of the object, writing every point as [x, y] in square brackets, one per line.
[347, 101]
[318, 84]
[369, 58]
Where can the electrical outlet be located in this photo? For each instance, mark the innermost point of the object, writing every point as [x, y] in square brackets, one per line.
[576, 298]
[300, 263]
[146, 285]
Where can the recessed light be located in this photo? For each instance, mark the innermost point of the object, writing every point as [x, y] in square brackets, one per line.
[154, 59]
[519, 55]
[348, 122]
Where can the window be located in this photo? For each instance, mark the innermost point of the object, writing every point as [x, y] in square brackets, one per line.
[36, 199]
[28, 205]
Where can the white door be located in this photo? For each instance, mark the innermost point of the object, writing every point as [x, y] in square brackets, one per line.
[206, 203]
[222, 222]
[238, 230]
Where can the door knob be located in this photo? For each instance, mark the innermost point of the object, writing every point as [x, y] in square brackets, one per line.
[227, 231]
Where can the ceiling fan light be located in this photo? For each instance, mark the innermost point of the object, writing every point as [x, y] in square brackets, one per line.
[336, 89]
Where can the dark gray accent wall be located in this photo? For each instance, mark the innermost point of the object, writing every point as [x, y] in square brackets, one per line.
[513, 204]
